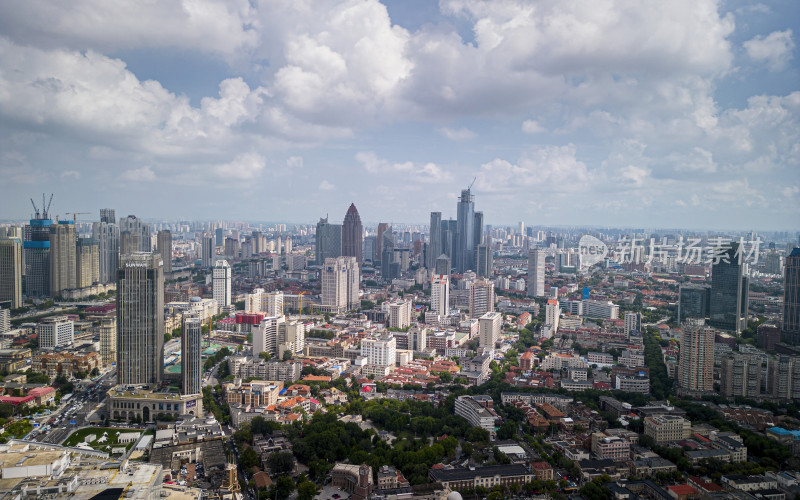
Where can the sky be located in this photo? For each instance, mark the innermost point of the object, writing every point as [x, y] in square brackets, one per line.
[606, 113]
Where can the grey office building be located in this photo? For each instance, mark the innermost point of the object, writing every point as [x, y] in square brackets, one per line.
[140, 319]
[164, 242]
[791, 299]
[191, 355]
[328, 241]
[434, 241]
[464, 257]
[729, 295]
[693, 301]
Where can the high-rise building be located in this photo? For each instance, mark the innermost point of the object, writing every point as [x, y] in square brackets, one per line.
[207, 252]
[340, 284]
[440, 294]
[783, 377]
[328, 241]
[481, 298]
[489, 325]
[55, 331]
[464, 258]
[399, 313]
[106, 234]
[291, 337]
[536, 273]
[696, 362]
[633, 322]
[352, 235]
[265, 335]
[371, 249]
[140, 319]
[36, 255]
[740, 376]
[380, 351]
[443, 265]
[693, 302]
[219, 236]
[729, 294]
[164, 242]
[477, 232]
[87, 267]
[221, 283]
[108, 215]
[63, 272]
[382, 227]
[138, 237]
[791, 299]
[435, 240]
[10, 270]
[191, 355]
[108, 341]
[485, 261]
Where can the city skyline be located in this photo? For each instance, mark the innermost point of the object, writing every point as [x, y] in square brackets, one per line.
[656, 116]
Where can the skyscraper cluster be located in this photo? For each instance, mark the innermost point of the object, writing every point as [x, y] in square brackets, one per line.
[460, 240]
[340, 240]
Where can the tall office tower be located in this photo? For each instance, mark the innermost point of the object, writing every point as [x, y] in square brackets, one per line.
[478, 229]
[740, 376]
[434, 241]
[108, 341]
[633, 323]
[791, 299]
[55, 331]
[140, 319]
[443, 265]
[164, 242]
[106, 234]
[693, 302]
[108, 215]
[87, 268]
[36, 255]
[370, 248]
[328, 241]
[232, 248]
[287, 245]
[536, 273]
[390, 267]
[382, 227]
[340, 284]
[219, 236]
[62, 258]
[489, 328]
[465, 232]
[207, 250]
[729, 295]
[191, 355]
[485, 260]
[279, 245]
[129, 242]
[140, 234]
[449, 238]
[265, 335]
[440, 294]
[221, 283]
[696, 363]
[522, 228]
[10, 270]
[291, 337]
[481, 298]
[255, 239]
[352, 235]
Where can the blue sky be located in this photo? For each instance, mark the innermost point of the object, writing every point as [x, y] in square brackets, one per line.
[645, 114]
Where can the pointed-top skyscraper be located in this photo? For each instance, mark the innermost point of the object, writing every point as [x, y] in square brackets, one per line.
[352, 235]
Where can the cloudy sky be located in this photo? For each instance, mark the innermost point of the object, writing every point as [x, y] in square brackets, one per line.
[650, 114]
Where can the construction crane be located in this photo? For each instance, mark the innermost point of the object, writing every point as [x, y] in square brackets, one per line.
[76, 214]
[300, 299]
[471, 183]
[45, 208]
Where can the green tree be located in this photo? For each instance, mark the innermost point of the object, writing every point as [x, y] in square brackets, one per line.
[306, 490]
[287, 355]
[265, 355]
[249, 458]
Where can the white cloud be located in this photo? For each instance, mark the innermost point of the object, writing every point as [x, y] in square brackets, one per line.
[243, 167]
[790, 191]
[417, 172]
[532, 127]
[460, 134]
[142, 174]
[635, 175]
[294, 162]
[326, 186]
[775, 49]
[70, 174]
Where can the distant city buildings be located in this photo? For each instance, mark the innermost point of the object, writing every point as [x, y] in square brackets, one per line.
[352, 235]
[536, 273]
[221, 283]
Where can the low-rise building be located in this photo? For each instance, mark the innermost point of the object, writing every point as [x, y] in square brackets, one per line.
[478, 411]
[65, 363]
[487, 476]
[145, 403]
[666, 428]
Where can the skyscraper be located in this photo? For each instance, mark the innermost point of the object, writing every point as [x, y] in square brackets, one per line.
[108, 215]
[36, 259]
[536, 273]
[791, 299]
[87, 269]
[140, 319]
[139, 238]
[207, 250]
[435, 240]
[340, 284]
[10, 270]
[106, 234]
[478, 229]
[729, 295]
[443, 265]
[164, 242]
[352, 235]
[489, 325]
[485, 261]
[191, 355]
[328, 241]
[740, 376]
[108, 341]
[63, 271]
[693, 302]
[440, 294]
[221, 283]
[465, 232]
[382, 227]
[481, 298]
[696, 362]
